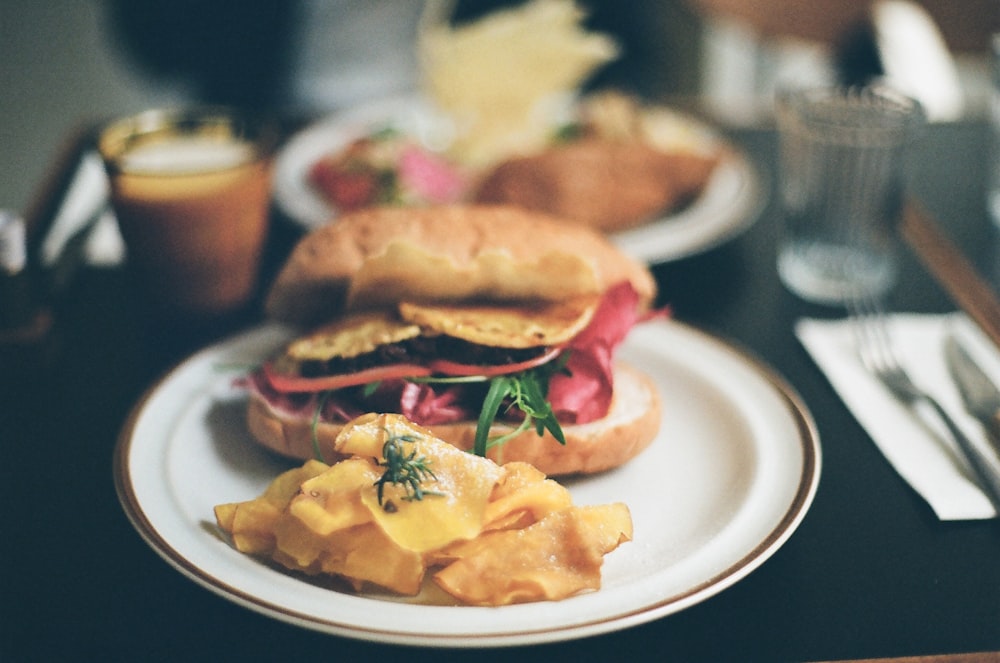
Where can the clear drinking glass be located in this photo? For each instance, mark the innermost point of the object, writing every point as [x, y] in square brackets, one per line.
[841, 188]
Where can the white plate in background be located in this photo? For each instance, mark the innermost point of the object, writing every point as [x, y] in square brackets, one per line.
[729, 204]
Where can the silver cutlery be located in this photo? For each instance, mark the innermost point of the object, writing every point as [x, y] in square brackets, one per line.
[877, 353]
[980, 396]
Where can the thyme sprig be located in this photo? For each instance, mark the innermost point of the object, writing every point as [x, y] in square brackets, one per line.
[407, 470]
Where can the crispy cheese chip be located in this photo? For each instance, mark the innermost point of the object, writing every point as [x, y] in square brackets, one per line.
[352, 336]
[525, 496]
[332, 501]
[552, 559]
[608, 525]
[360, 554]
[457, 492]
[366, 435]
[513, 326]
[367, 554]
[502, 534]
[251, 524]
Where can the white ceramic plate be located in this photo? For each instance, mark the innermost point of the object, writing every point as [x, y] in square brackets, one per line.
[729, 204]
[725, 484]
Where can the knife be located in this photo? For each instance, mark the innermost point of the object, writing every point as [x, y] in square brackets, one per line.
[949, 266]
[980, 395]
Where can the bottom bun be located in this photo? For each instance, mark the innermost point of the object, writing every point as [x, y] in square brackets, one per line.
[628, 428]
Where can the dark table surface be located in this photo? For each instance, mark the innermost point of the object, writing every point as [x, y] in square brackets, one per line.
[870, 572]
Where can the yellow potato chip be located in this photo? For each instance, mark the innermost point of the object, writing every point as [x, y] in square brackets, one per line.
[251, 523]
[360, 554]
[551, 560]
[320, 519]
[366, 554]
[252, 526]
[511, 326]
[331, 501]
[607, 525]
[297, 546]
[530, 503]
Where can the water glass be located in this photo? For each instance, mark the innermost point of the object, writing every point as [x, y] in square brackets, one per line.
[841, 188]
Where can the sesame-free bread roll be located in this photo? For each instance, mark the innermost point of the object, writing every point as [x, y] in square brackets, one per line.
[380, 256]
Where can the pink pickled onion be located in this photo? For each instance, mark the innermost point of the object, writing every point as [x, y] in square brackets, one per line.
[585, 394]
[430, 177]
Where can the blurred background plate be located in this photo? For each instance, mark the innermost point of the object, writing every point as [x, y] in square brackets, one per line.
[729, 204]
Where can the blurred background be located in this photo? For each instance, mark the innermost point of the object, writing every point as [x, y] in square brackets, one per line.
[67, 63]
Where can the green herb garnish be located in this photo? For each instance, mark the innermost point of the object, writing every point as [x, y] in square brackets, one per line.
[385, 133]
[567, 133]
[526, 391]
[314, 427]
[407, 470]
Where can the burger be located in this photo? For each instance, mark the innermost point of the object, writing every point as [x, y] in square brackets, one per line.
[493, 326]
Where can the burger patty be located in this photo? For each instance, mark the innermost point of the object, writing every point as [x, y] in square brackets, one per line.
[417, 351]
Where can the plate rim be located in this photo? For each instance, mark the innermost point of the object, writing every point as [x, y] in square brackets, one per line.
[807, 484]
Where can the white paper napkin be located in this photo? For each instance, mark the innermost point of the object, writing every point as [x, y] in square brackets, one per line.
[922, 453]
[87, 194]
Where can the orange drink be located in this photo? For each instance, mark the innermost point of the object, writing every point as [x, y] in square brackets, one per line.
[191, 193]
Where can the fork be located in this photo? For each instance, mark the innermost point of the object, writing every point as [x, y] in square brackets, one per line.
[878, 355]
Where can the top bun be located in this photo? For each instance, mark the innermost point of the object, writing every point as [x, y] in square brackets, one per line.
[378, 257]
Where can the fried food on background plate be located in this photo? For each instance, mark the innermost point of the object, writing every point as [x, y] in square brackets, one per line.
[619, 165]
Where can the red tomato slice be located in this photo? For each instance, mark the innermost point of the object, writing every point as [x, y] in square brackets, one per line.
[456, 369]
[290, 384]
[296, 384]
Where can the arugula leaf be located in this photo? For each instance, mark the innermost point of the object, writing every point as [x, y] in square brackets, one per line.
[526, 391]
[500, 387]
[536, 405]
[314, 426]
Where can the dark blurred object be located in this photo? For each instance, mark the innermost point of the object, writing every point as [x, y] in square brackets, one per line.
[24, 323]
[17, 305]
[856, 56]
[233, 52]
[248, 54]
[660, 41]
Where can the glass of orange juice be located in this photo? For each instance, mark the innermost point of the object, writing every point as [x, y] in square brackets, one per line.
[191, 193]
